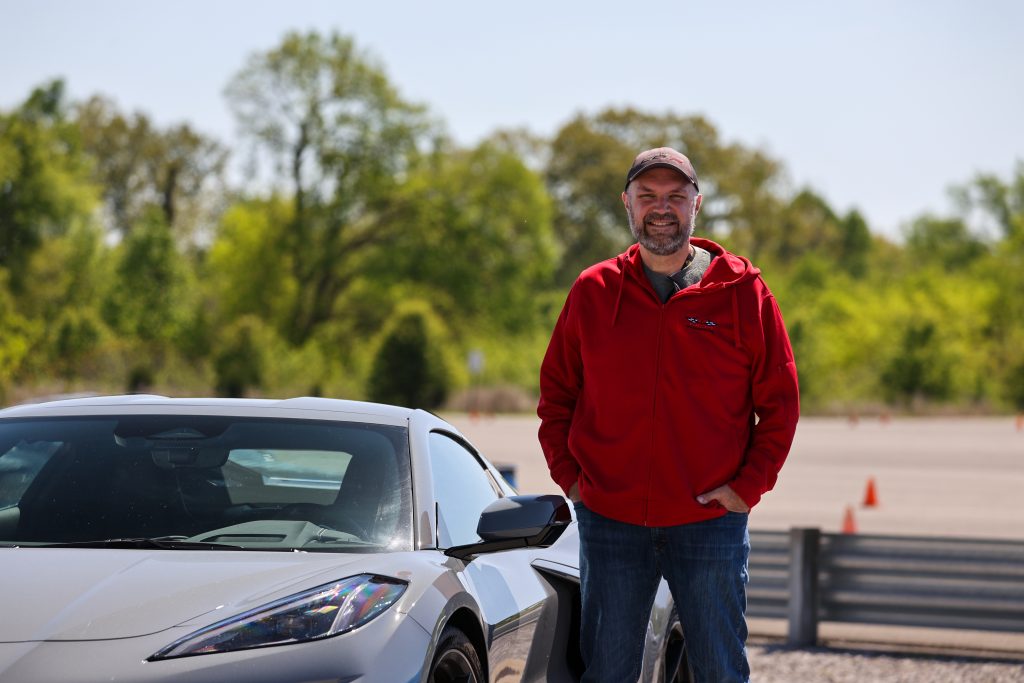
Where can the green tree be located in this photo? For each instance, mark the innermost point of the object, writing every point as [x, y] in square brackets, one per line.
[19, 334]
[1014, 385]
[68, 271]
[855, 244]
[936, 348]
[945, 242]
[150, 295]
[478, 235]
[67, 277]
[335, 127]
[248, 269]
[44, 178]
[139, 165]
[1001, 203]
[920, 369]
[77, 336]
[807, 224]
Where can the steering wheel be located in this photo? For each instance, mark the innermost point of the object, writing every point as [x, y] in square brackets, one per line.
[328, 516]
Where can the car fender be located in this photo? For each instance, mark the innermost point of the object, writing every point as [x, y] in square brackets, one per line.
[439, 603]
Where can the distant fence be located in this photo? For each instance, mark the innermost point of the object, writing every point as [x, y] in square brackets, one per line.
[807, 577]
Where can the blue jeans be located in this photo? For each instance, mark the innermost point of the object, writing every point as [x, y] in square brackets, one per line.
[705, 565]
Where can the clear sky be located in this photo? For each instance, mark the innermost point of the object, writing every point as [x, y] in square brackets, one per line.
[878, 105]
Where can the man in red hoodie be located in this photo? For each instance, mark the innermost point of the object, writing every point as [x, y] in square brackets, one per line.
[668, 404]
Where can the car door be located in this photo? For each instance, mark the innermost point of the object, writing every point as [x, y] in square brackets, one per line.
[527, 615]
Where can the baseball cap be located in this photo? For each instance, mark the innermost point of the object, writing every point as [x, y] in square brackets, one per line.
[665, 157]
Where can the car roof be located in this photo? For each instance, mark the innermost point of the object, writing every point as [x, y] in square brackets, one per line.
[306, 407]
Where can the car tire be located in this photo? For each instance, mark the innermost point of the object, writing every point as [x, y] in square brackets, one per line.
[455, 660]
[674, 665]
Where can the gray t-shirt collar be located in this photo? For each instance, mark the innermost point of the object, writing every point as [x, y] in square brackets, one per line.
[689, 275]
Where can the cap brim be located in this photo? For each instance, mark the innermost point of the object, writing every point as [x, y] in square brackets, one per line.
[660, 164]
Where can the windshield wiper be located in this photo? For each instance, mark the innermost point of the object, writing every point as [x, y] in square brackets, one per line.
[143, 544]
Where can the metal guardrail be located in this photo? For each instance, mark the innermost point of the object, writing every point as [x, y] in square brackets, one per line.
[806, 576]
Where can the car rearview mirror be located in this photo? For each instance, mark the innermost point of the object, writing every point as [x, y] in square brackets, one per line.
[173, 457]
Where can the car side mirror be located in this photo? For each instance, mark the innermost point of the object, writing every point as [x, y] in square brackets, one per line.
[517, 522]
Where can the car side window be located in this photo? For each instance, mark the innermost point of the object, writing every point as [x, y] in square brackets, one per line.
[462, 489]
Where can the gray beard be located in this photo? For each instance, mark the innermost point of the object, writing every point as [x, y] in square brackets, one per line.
[663, 245]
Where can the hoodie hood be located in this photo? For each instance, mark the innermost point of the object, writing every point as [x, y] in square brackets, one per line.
[726, 270]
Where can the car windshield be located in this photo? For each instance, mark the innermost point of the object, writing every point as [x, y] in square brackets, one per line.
[188, 481]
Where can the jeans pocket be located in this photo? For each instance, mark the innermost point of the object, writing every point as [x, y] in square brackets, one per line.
[581, 514]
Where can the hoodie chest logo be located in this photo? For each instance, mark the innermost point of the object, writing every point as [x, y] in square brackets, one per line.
[706, 325]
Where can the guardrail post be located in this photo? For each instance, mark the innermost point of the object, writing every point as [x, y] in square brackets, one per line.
[804, 545]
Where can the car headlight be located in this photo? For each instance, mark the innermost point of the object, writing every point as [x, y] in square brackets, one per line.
[322, 612]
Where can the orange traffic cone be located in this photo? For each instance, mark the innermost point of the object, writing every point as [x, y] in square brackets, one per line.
[849, 525]
[870, 495]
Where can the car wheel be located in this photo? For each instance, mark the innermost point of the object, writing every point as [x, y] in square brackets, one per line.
[456, 660]
[674, 667]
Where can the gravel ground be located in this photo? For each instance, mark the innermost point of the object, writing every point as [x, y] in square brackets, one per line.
[779, 664]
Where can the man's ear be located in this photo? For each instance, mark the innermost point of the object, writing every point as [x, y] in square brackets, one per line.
[625, 200]
[696, 208]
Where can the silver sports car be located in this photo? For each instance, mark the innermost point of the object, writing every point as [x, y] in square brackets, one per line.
[152, 539]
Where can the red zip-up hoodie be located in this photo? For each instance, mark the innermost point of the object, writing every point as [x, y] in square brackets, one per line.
[648, 405]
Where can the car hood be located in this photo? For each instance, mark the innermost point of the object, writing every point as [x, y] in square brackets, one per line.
[97, 594]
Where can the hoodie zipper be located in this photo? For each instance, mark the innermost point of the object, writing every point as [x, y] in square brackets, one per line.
[663, 306]
[654, 411]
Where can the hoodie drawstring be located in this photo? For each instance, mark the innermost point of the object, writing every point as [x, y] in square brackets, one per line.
[735, 318]
[618, 297]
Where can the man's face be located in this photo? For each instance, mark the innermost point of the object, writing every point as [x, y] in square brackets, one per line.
[661, 206]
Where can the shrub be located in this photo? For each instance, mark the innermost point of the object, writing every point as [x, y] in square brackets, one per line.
[409, 367]
[240, 362]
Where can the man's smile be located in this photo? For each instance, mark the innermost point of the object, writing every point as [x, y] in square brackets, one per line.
[661, 222]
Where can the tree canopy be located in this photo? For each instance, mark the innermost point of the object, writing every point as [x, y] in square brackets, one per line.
[367, 254]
